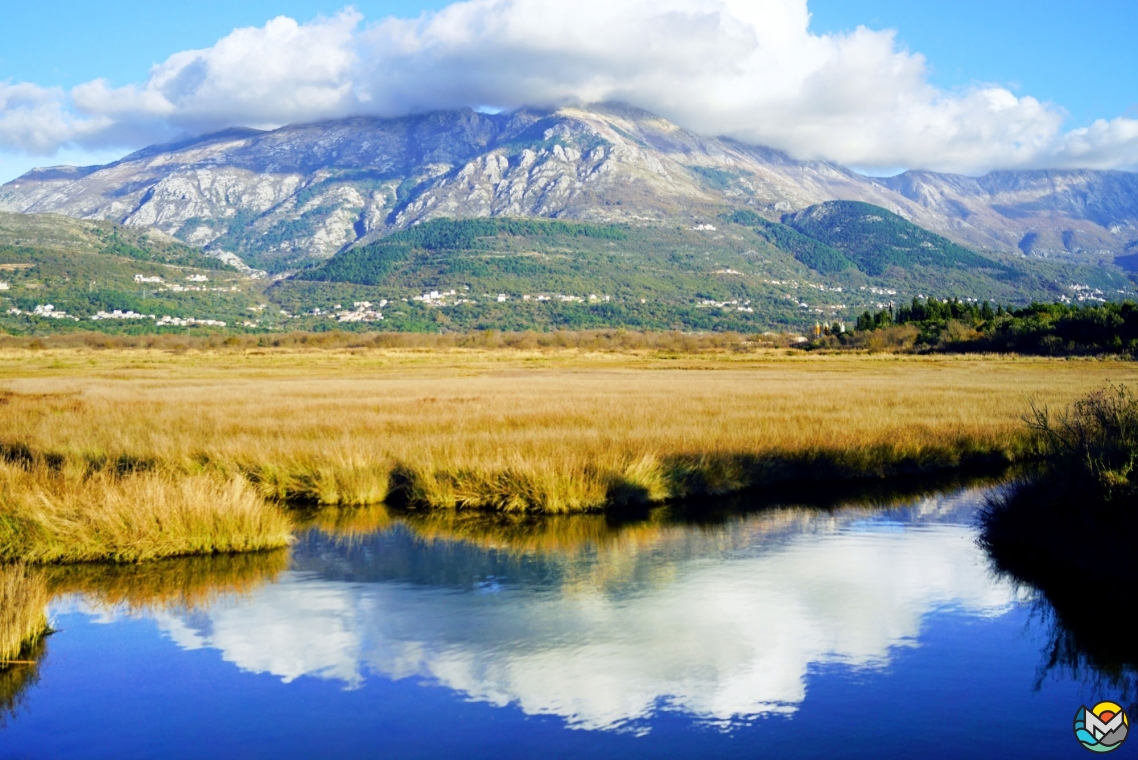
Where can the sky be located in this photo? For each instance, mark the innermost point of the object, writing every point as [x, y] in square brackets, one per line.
[881, 85]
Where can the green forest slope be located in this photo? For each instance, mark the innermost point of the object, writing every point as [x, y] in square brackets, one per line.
[740, 272]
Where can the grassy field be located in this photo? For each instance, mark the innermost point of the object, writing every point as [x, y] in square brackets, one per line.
[137, 454]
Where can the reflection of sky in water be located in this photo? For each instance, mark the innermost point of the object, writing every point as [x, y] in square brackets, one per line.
[720, 623]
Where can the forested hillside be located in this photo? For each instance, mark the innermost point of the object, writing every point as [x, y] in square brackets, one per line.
[875, 240]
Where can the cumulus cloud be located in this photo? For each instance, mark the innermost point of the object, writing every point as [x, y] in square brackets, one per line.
[35, 119]
[750, 69]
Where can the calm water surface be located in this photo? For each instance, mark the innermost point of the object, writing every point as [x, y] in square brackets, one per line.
[789, 632]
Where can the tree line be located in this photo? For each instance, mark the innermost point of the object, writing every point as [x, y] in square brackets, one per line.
[1039, 328]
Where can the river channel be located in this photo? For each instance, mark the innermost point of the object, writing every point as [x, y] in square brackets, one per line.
[866, 627]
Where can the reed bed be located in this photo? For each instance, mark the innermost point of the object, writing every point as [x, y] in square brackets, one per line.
[552, 431]
[64, 515]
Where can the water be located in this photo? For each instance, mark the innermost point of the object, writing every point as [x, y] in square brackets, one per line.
[788, 632]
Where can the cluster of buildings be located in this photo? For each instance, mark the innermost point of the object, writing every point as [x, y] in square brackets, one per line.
[118, 314]
[166, 321]
[591, 298]
[47, 311]
[437, 298]
[744, 306]
[452, 298]
[188, 322]
[174, 287]
[798, 303]
[1085, 293]
[361, 311]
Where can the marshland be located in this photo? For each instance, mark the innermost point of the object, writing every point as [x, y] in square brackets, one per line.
[135, 454]
[398, 515]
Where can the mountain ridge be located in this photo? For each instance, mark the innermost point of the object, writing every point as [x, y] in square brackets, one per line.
[281, 198]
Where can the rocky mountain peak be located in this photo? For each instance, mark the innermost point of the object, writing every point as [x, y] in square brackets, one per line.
[306, 191]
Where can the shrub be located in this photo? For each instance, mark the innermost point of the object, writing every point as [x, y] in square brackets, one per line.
[1095, 439]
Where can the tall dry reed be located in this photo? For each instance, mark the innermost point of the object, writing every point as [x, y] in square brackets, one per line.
[49, 515]
[542, 430]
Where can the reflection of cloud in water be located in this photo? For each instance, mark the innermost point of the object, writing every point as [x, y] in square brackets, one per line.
[728, 635]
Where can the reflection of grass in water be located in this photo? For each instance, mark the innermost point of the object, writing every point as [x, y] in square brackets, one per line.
[23, 633]
[179, 584]
[547, 534]
[1077, 552]
[526, 534]
[1081, 646]
[1070, 533]
[346, 523]
[610, 551]
[15, 680]
[185, 583]
[23, 616]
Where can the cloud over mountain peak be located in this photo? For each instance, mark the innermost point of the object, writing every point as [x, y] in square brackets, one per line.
[750, 70]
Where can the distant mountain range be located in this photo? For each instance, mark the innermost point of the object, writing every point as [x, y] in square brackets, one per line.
[604, 216]
[291, 197]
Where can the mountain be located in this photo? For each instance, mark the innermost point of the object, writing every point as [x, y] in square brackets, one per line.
[1041, 213]
[53, 234]
[877, 241]
[742, 272]
[302, 193]
[577, 217]
[57, 272]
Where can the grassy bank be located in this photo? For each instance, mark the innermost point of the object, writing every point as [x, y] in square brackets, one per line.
[1073, 525]
[201, 449]
[69, 513]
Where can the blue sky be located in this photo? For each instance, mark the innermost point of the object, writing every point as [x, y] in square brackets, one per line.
[1078, 55]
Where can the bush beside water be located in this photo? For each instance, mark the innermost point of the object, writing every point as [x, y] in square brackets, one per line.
[1070, 533]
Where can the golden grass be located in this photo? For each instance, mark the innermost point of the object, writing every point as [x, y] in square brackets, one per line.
[527, 533]
[552, 430]
[23, 615]
[49, 515]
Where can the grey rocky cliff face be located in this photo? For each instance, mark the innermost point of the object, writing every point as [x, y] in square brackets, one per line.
[1042, 213]
[305, 192]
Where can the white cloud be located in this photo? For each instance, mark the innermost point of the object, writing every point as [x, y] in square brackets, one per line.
[746, 68]
[35, 120]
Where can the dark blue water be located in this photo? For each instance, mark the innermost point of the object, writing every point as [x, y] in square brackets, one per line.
[786, 633]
